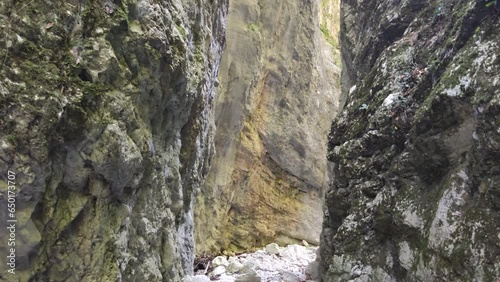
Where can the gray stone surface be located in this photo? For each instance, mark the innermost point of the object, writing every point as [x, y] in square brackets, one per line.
[415, 150]
[107, 121]
[273, 249]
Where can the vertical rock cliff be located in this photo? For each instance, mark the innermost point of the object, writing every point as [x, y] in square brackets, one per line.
[106, 121]
[277, 98]
[415, 193]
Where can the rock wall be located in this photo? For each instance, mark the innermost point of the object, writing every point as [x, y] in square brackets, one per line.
[415, 195]
[278, 94]
[107, 123]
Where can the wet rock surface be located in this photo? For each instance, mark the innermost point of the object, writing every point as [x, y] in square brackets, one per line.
[415, 149]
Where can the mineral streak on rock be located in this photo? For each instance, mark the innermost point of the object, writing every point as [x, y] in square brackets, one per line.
[277, 97]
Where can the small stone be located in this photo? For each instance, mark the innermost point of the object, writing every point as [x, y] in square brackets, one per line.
[9, 43]
[273, 248]
[234, 265]
[220, 260]
[218, 270]
[304, 242]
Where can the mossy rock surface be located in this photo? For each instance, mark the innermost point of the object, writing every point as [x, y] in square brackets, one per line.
[277, 96]
[413, 149]
[106, 118]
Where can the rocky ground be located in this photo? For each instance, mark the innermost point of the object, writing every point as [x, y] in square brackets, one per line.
[414, 152]
[277, 96]
[293, 263]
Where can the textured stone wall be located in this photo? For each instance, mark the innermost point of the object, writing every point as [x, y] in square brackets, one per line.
[415, 193]
[277, 97]
[106, 119]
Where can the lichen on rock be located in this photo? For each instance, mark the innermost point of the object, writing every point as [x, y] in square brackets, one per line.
[414, 169]
[107, 121]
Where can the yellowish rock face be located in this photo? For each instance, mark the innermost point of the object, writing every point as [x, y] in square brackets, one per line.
[277, 97]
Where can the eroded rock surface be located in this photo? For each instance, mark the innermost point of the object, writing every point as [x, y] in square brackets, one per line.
[415, 195]
[277, 97]
[106, 120]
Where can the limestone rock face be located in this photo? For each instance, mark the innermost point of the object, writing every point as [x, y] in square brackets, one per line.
[415, 195]
[277, 97]
[106, 121]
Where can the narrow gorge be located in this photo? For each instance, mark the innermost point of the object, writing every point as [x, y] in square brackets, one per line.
[250, 140]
